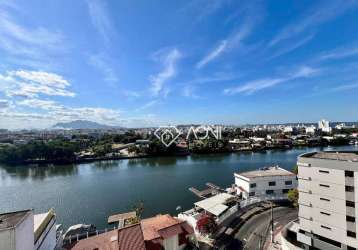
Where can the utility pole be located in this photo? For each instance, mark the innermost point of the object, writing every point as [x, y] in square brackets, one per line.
[272, 238]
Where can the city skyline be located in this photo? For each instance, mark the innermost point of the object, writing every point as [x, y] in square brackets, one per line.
[135, 64]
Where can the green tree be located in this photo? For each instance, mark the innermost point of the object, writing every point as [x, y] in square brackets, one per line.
[295, 170]
[293, 197]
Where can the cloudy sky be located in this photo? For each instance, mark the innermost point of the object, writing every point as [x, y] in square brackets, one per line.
[144, 63]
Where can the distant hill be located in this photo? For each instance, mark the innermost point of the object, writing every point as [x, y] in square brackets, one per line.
[82, 124]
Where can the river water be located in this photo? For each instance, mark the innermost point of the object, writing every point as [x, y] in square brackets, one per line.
[89, 193]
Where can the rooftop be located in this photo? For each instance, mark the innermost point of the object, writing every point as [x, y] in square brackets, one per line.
[266, 172]
[11, 220]
[216, 204]
[152, 225]
[163, 226]
[334, 155]
[128, 238]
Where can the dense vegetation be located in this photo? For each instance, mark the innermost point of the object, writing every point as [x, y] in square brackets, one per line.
[56, 150]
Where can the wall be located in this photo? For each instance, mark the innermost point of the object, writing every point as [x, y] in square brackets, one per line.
[311, 205]
[262, 184]
[25, 233]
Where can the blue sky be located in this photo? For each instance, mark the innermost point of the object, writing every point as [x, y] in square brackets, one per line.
[146, 63]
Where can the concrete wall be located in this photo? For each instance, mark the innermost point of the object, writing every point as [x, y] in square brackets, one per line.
[7, 240]
[47, 240]
[322, 199]
[262, 184]
[25, 234]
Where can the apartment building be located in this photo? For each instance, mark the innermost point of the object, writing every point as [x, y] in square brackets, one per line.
[24, 230]
[265, 182]
[328, 196]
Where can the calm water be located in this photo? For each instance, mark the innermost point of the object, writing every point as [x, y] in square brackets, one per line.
[89, 193]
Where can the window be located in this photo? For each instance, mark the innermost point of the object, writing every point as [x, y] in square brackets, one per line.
[288, 183]
[272, 183]
[324, 213]
[323, 171]
[252, 194]
[349, 189]
[350, 219]
[323, 185]
[324, 199]
[348, 173]
[329, 241]
[351, 234]
[269, 192]
[350, 204]
[252, 185]
[328, 228]
[285, 191]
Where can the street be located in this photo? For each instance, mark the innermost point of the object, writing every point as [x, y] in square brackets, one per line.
[254, 233]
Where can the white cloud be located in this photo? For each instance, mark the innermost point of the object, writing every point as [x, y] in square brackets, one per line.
[100, 19]
[39, 104]
[232, 41]
[33, 44]
[339, 53]
[212, 54]
[292, 46]
[147, 105]
[344, 87]
[32, 83]
[131, 93]
[323, 12]
[101, 62]
[189, 91]
[4, 104]
[169, 61]
[260, 84]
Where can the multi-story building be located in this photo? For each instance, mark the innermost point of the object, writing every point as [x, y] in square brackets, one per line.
[22, 230]
[328, 200]
[324, 126]
[268, 181]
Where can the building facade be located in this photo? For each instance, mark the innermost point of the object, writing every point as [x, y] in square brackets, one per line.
[328, 196]
[22, 230]
[265, 182]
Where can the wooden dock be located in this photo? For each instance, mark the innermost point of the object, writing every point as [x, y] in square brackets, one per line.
[206, 193]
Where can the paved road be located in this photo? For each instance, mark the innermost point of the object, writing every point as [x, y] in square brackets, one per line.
[255, 230]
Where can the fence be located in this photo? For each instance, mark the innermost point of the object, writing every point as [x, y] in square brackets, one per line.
[74, 238]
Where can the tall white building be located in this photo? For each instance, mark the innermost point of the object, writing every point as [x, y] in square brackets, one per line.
[324, 126]
[265, 182]
[22, 230]
[328, 200]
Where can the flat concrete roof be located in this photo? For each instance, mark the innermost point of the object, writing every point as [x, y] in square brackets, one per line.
[12, 219]
[351, 156]
[266, 172]
[216, 204]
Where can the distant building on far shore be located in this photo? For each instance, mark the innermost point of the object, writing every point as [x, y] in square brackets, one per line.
[324, 126]
[265, 182]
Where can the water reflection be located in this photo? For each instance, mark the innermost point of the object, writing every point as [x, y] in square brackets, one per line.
[38, 173]
[155, 162]
[106, 165]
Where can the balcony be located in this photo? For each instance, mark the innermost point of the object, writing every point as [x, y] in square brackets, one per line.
[349, 181]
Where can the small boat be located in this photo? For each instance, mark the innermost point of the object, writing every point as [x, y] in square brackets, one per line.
[79, 229]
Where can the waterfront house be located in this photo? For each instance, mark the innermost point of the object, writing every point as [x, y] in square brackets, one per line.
[22, 230]
[274, 182]
[216, 209]
[166, 232]
[161, 232]
[128, 238]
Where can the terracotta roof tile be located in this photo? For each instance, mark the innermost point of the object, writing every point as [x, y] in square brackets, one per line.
[128, 238]
[152, 225]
